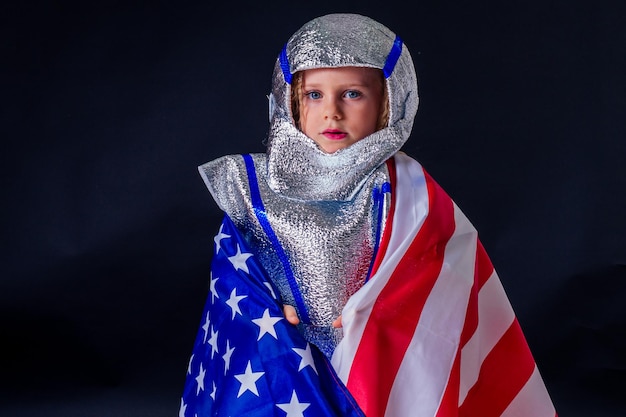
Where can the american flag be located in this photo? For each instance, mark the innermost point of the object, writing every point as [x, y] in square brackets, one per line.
[433, 334]
[247, 359]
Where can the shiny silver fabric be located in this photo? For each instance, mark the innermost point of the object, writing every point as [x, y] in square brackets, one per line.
[320, 206]
[296, 166]
[330, 244]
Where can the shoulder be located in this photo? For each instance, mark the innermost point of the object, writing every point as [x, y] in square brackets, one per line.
[228, 168]
[414, 179]
[228, 165]
[227, 177]
[406, 166]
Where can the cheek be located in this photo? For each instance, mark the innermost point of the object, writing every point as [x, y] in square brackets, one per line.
[372, 116]
[305, 121]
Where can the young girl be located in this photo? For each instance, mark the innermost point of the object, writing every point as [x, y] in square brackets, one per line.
[381, 273]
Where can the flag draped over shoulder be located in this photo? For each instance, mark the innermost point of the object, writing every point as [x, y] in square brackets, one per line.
[432, 333]
[247, 359]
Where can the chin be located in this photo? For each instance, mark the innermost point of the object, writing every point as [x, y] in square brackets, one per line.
[333, 149]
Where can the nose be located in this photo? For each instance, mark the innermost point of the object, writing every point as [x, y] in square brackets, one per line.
[332, 109]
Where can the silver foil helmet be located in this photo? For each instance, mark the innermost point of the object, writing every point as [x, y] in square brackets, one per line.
[297, 167]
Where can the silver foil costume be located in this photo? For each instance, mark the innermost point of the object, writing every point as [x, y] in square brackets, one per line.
[326, 211]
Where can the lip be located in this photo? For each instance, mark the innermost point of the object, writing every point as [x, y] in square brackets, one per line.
[334, 134]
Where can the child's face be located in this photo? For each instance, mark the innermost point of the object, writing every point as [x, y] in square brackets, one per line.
[340, 106]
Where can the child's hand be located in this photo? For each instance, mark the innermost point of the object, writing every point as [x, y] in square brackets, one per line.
[291, 315]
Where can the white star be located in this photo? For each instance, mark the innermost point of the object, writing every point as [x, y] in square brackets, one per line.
[269, 287]
[189, 366]
[214, 293]
[266, 324]
[200, 379]
[294, 408]
[183, 408]
[307, 358]
[233, 302]
[239, 260]
[205, 326]
[248, 381]
[213, 342]
[218, 239]
[212, 394]
[227, 355]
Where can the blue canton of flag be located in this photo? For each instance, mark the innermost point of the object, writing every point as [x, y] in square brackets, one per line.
[247, 359]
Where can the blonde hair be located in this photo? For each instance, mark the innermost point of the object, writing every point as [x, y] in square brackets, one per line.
[297, 95]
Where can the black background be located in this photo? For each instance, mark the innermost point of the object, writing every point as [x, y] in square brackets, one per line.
[108, 107]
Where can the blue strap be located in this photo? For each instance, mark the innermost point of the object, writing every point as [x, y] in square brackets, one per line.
[284, 64]
[392, 58]
[379, 202]
[390, 62]
[261, 215]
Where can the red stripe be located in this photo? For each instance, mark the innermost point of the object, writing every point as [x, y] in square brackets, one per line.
[482, 271]
[341, 387]
[484, 267]
[398, 307]
[384, 241]
[471, 316]
[449, 406]
[504, 372]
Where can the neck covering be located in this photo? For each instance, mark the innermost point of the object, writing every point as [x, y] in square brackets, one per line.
[296, 166]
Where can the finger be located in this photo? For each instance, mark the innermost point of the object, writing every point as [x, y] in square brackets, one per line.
[290, 314]
[337, 323]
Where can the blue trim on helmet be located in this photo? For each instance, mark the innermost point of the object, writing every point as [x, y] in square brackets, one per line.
[284, 64]
[392, 58]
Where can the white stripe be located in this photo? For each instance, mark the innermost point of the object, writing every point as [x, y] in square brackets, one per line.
[410, 177]
[495, 316]
[423, 375]
[532, 400]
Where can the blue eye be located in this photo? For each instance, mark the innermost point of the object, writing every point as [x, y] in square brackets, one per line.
[314, 95]
[352, 94]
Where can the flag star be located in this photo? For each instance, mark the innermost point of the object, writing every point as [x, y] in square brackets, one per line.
[248, 381]
[218, 239]
[214, 293]
[269, 287]
[233, 302]
[212, 394]
[200, 379]
[294, 408]
[205, 326]
[266, 324]
[213, 342]
[239, 260]
[189, 366]
[307, 358]
[183, 408]
[227, 355]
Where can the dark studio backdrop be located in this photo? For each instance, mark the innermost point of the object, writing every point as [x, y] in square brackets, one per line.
[108, 108]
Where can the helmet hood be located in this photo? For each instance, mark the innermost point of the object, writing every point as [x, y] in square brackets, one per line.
[297, 167]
